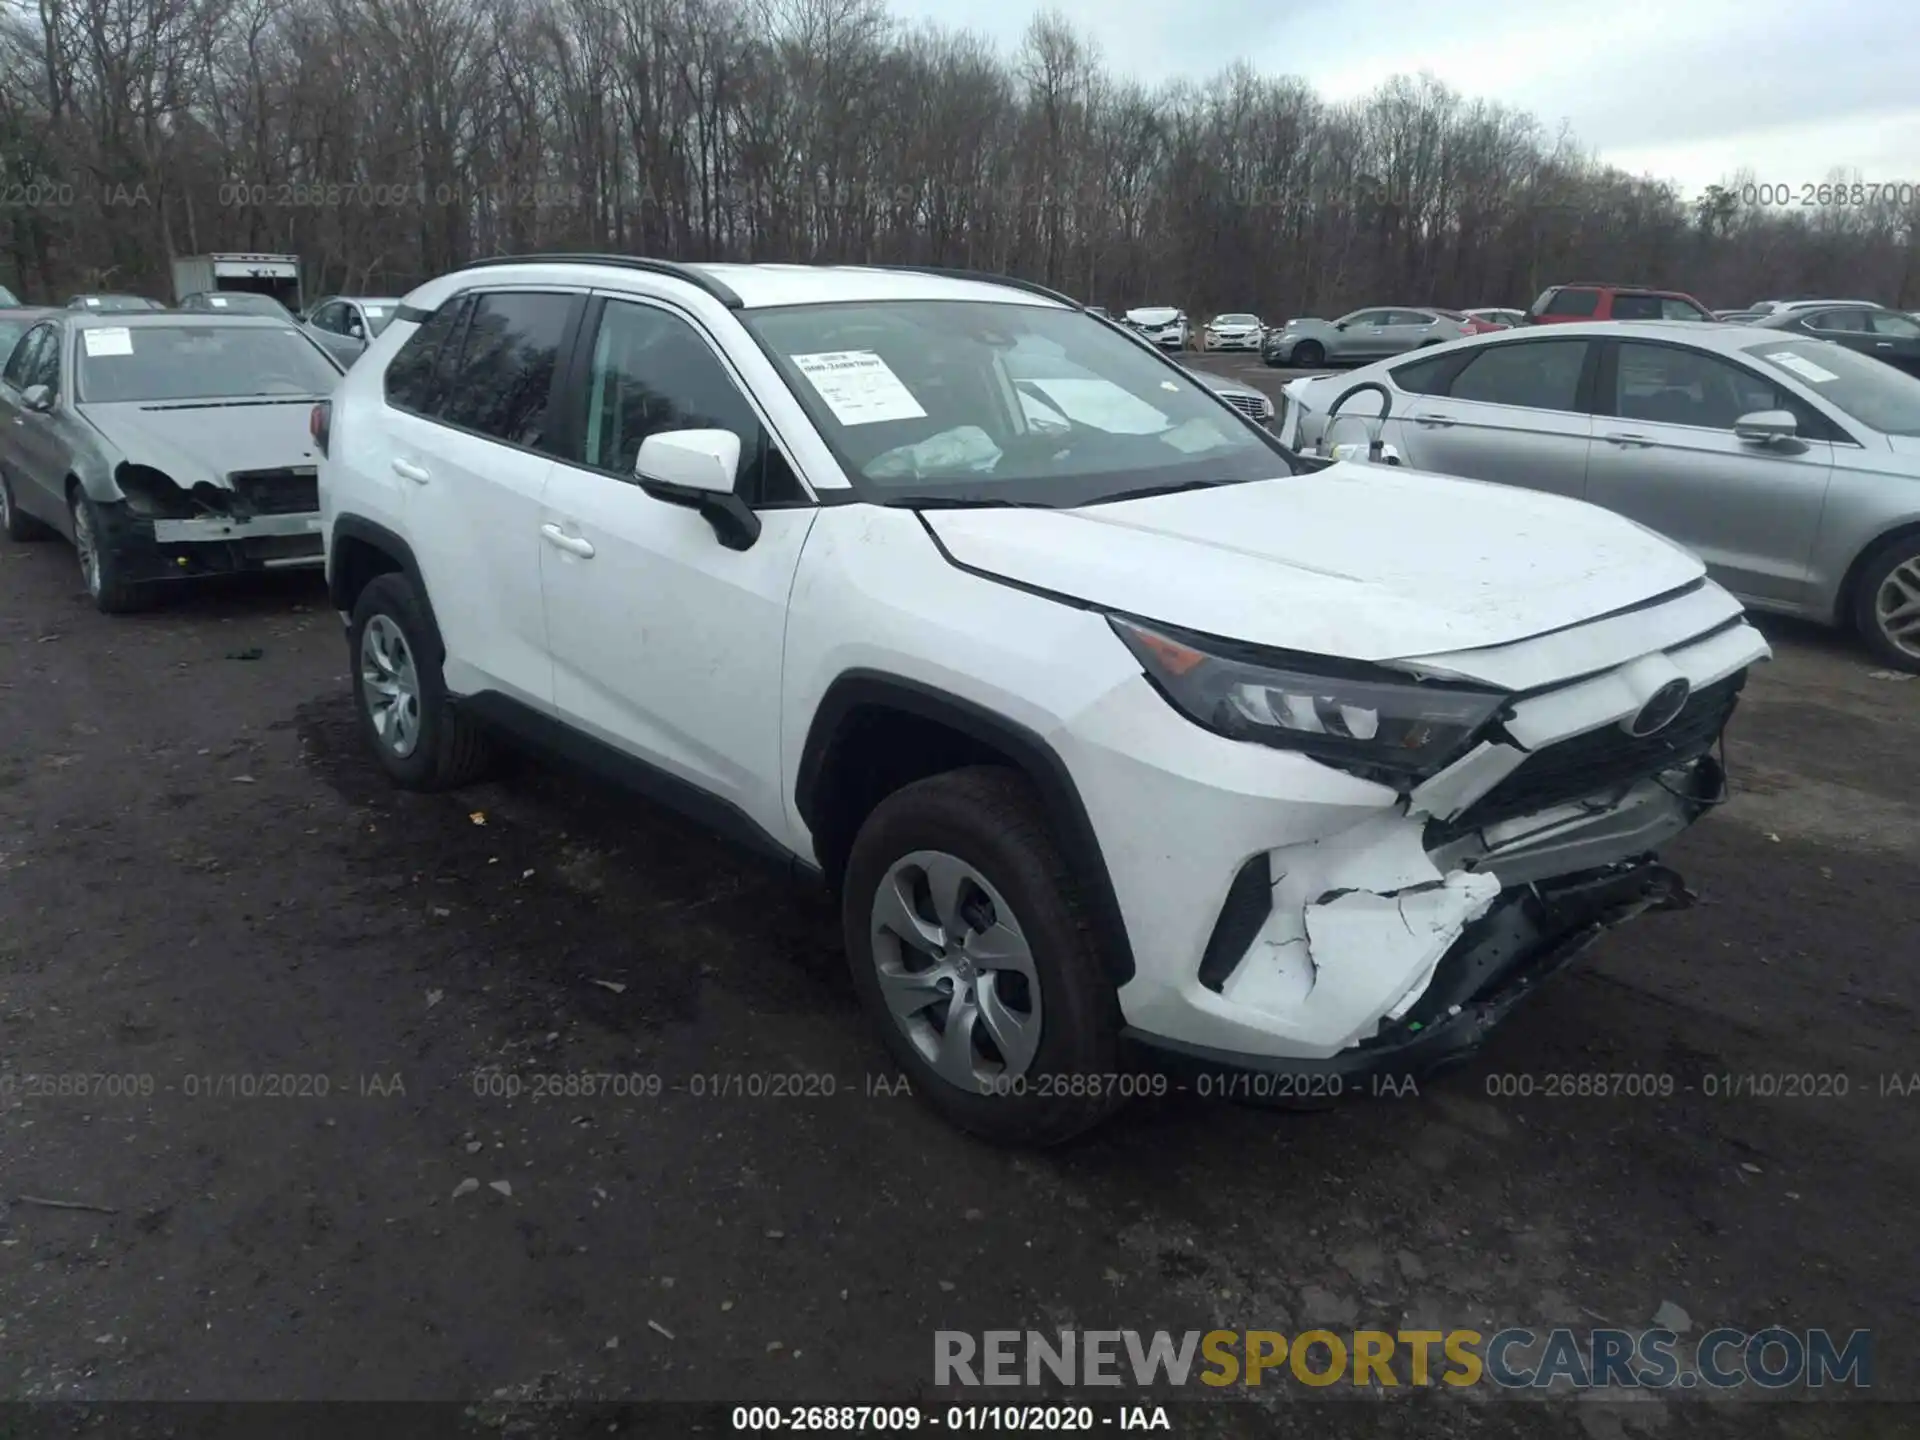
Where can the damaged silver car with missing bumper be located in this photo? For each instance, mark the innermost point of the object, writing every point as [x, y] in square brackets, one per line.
[163, 446]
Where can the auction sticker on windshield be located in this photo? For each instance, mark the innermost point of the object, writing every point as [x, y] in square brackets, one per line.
[114, 340]
[859, 387]
[1801, 366]
[219, 301]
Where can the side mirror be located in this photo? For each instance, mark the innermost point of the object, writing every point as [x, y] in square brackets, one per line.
[1766, 427]
[37, 397]
[356, 331]
[696, 468]
[1339, 324]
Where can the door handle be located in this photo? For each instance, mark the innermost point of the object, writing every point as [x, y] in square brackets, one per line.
[1883, 344]
[572, 544]
[1627, 440]
[1435, 420]
[407, 470]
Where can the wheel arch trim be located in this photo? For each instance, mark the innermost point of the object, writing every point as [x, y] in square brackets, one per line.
[368, 532]
[860, 689]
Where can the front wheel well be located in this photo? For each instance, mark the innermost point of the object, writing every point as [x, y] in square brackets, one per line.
[1845, 607]
[874, 733]
[876, 750]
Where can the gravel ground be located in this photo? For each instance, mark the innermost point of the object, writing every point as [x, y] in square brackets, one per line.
[202, 876]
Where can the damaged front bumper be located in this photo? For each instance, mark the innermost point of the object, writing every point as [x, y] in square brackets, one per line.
[1524, 935]
[209, 545]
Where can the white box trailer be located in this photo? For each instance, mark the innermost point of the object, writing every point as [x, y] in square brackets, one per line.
[275, 275]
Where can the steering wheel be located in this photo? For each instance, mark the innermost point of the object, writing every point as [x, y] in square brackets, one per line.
[1376, 444]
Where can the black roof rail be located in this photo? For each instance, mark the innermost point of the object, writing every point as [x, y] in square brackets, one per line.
[689, 273]
[984, 277]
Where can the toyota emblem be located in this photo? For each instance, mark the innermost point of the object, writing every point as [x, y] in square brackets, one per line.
[1659, 711]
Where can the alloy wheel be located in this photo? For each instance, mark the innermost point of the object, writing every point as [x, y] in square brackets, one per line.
[87, 546]
[956, 971]
[391, 685]
[1896, 608]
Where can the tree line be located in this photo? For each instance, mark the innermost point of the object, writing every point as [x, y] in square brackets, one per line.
[386, 141]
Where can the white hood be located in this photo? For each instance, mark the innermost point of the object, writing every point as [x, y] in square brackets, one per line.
[1156, 316]
[1358, 561]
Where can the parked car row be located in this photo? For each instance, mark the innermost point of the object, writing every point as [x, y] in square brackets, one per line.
[1119, 729]
[342, 324]
[1789, 462]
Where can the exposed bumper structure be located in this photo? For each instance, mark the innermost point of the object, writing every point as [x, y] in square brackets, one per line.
[1497, 961]
[1337, 935]
[209, 545]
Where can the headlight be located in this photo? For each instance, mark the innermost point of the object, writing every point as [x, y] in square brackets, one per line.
[1367, 721]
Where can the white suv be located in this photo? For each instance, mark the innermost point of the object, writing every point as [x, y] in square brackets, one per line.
[1122, 732]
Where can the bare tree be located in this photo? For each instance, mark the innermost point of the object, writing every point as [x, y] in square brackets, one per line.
[389, 140]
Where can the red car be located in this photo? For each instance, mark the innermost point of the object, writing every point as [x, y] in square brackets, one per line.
[1474, 324]
[1591, 300]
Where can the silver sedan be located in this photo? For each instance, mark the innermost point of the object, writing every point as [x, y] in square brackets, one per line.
[1361, 335]
[1790, 465]
[163, 446]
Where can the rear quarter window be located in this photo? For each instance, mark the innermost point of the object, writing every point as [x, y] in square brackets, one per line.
[413, 374]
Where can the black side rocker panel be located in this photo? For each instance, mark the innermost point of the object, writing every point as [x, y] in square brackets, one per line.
[562, 742]
[1035, 758]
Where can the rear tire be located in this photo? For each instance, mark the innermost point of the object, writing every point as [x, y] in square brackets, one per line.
[1308, 352]
[1001, 946]
[420, 737]
[15, 522]
[1886, 603]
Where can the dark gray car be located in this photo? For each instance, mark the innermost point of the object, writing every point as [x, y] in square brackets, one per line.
[164, 446]
[345, 324]
[1361, 335]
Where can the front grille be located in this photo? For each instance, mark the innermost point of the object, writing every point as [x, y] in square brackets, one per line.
[277, 492]
[1605, 760]
[1249, 405]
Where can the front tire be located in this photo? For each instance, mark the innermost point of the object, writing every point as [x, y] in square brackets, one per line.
[422, 740]
[972, 955]
[1886, 607]
[1308, 353]
[101, 570]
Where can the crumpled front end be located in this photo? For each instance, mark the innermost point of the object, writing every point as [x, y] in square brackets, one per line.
[1362, 930]
[249, 520]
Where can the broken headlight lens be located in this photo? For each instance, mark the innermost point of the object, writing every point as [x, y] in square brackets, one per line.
[1391, 729]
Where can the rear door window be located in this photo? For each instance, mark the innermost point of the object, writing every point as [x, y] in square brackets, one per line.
[1537, 374]
[1636, 307]
[503, 383]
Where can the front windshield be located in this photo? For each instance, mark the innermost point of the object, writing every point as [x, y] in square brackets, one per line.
[10, 332]
[199, 362]
[972, 402]
[1869, 390]
[1238, 320]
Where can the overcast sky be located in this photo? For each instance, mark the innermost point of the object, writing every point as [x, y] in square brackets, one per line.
[1687, 90]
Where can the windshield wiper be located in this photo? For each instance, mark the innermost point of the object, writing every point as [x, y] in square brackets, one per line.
[1153, 490]
[963, 502]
